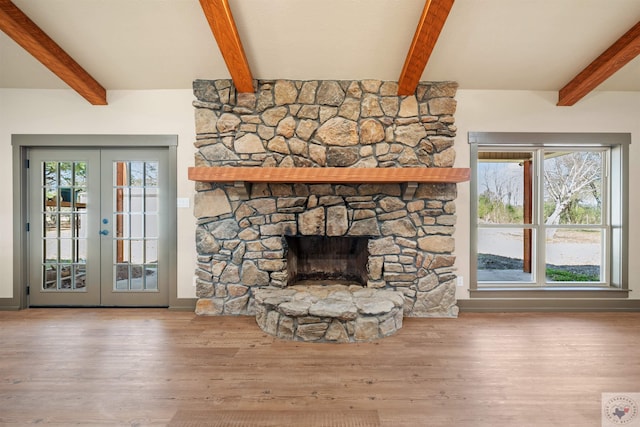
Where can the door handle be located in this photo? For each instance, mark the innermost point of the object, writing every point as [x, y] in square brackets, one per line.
[104, 232]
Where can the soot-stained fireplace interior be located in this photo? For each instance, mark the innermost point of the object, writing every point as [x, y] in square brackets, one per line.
[322, 258]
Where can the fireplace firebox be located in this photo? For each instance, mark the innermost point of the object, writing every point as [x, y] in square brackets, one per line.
[323, 258]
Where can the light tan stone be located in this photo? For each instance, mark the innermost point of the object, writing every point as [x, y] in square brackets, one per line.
[338, 131]
[409, 107]
[308, 92]
[445, 159]
[209, 307]
[272, 116]
[206, 121]
[285, 92]
[336, 332]
[306, 128]
[410, 134]
[228, 123]
[250, 143]
[366, 329]
[371, 131]
[437, 244]
[286, 127]
[312, 222]
[370, 106]
[330, 93]
[442, 106]
[211, 203]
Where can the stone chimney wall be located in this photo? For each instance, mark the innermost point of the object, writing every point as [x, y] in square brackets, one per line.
[240, 239]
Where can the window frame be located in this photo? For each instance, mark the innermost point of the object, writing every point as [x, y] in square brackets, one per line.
[614, 221]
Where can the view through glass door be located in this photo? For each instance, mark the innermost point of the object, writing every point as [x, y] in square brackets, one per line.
[96, 228]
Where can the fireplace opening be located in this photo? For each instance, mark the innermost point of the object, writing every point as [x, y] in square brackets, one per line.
[321, 258]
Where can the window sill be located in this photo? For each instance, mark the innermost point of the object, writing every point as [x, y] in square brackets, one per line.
[548, 292]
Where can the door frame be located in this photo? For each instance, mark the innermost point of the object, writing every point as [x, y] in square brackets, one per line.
[21, 143]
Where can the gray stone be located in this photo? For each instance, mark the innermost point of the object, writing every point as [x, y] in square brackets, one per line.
[330, 93]
[312, 331]
[436, 191]
[224, 229]
[252, 275]
[341, 156]
[236, 305]
[285, 328]
[231, 274]
[238, 253]
[337, 221]
[373, 306]
[441, 143]
[428, 282]
[218, 152]
[330, 307]
[295, 308]
[442, 89]
[312, 222]
[338, 131]
[205, 242]
[237, 290]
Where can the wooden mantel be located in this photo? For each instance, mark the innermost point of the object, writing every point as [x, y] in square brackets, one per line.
[328, 175]
[411, 177]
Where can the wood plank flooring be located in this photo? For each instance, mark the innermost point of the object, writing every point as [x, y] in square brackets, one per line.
[138, 367]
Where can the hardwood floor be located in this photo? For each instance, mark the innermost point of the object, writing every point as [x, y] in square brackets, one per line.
[156, 367]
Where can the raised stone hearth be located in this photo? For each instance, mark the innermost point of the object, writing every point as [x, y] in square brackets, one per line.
[250, 238]
[319, 312]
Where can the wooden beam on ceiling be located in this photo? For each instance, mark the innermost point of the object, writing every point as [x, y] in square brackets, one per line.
[224, 30]
[18, 26]
[431, 22]
[604, 66]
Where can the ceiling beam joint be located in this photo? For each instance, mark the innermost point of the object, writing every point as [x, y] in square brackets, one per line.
[224, 30]
[431, 22]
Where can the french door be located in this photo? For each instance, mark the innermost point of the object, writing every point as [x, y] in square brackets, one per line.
[96, 229]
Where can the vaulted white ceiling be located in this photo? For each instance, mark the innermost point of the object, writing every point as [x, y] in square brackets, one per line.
[485, 44]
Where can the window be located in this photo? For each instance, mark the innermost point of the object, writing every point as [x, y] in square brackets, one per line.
[548, 212]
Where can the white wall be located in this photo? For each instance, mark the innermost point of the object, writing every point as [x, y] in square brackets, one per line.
[522, 111]
[170, 112]
[164, 112]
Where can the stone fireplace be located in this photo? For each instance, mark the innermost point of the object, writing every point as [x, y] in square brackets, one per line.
[396, 238]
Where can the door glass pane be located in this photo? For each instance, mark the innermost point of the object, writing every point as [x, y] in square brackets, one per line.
[135, 215]
[574, 255]
[505, 255]
[63, 215]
